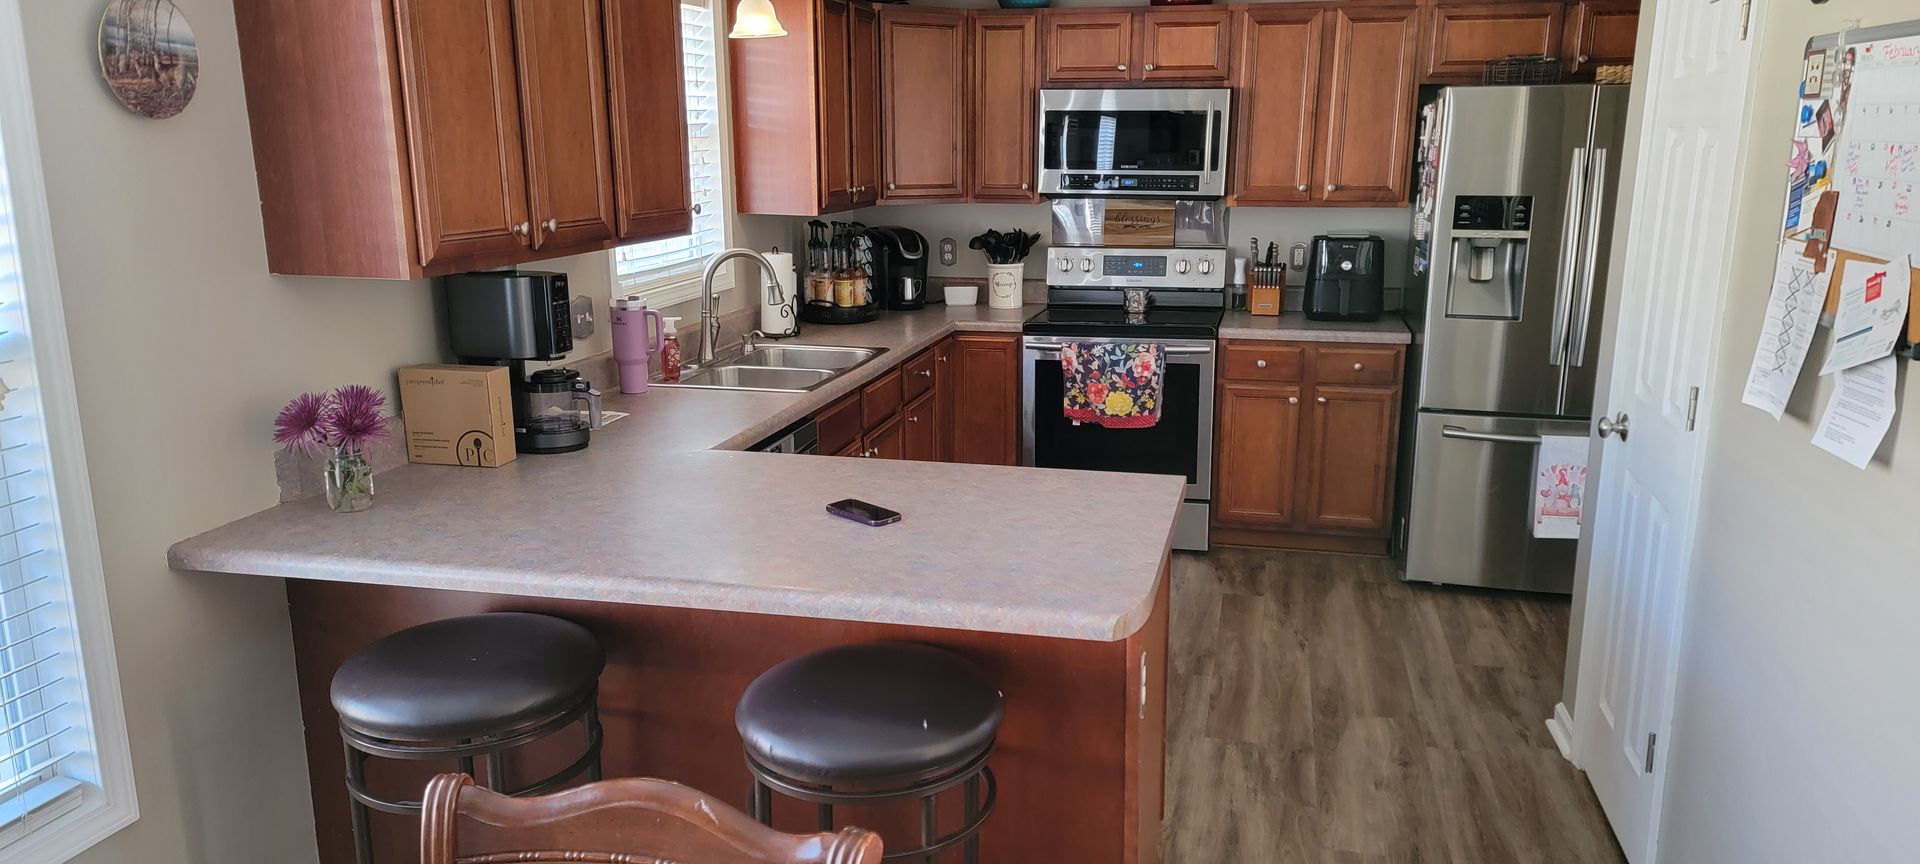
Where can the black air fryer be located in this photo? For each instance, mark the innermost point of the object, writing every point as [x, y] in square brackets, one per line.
[1344, 277]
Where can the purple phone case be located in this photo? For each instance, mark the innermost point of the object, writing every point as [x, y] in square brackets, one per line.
[856, 516]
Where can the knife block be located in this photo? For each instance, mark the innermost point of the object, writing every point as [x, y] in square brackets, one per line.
[1266, 287]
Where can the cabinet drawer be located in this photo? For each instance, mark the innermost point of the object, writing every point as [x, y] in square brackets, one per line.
[881, 400]
[919, 375]
[1256, 361]
[1356, 366]
[839, 425]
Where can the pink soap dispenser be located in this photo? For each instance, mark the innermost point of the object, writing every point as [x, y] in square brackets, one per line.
[637, 331]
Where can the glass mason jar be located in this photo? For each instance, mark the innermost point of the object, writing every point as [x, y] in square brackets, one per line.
[349, 479]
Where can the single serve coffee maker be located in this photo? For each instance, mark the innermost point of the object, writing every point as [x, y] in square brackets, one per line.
[508, 318]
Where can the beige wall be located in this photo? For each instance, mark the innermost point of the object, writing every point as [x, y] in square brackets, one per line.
[1792, 738]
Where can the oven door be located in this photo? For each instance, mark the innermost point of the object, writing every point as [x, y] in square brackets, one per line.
[1181, 444]
[1120, 142]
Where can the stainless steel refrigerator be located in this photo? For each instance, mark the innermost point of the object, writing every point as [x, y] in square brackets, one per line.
[1512, 227]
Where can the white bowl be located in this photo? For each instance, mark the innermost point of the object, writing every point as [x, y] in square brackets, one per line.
[963, 295]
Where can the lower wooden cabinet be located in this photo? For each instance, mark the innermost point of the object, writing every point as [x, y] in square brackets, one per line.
[921, 433]
[888, 441]
[986, 398]
[910, 412]
[1306, 450]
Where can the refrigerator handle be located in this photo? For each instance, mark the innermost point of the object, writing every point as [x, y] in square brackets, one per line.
[1569, 257]
[1489, 437]
[1589, 257]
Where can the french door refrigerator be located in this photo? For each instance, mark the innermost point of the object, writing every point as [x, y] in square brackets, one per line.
[1512, 227]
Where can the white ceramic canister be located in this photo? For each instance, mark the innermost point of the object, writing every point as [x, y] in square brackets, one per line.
[1004, 288]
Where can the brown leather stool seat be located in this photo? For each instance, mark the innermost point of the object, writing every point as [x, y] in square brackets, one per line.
[467, 689]
[872, 723]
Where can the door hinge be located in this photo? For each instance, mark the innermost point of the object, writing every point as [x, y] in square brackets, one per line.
[1651, 737]
[1746, 18]
[1693, 406]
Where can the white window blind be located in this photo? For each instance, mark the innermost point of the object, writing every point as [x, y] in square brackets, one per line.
[671, 265]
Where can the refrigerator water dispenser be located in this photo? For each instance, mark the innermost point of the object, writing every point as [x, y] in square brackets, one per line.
[1488, 268]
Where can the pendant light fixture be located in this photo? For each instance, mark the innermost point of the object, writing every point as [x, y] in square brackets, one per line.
[755, 19]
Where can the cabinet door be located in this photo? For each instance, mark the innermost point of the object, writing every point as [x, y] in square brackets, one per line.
[1462, 38]
[1367, 99]
[833, 61]
[863, 57]
[1186, 44]
[921, 429]
[1349, 457]
[925, 97]
[943, 389]
[1005, 78]
[563, 104]
[468, 165]
[854, 449]
[647, 91]
[1088, 46]
[889, 441]
[1601, 33]
[1278, 83]
[1258, 454]
[986, 399]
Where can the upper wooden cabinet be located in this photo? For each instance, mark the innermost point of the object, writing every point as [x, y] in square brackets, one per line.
[1277, 87]
[1600, 33]
[806, 128]
[924, 91]
[1366, 105]
[1094, 46]
[1461, 38]
[1006, 77]
[450, 135]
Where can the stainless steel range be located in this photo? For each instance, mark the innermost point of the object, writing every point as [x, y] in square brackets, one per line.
[1172, 296]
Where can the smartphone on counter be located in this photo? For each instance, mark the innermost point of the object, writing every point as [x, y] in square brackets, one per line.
[862, 512]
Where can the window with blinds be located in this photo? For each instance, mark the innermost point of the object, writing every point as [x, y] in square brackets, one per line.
[659, 267]
[50, 758]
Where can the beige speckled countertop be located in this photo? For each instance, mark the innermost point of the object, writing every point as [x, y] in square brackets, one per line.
[657, 511]
[1391, 329]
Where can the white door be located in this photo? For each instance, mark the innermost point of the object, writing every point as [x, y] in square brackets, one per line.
[1663, 345]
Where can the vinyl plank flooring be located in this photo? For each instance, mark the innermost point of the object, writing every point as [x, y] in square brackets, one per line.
[1323, 711]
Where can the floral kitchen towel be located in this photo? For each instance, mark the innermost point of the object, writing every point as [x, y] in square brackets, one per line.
[1113, 384]
[1560, 487]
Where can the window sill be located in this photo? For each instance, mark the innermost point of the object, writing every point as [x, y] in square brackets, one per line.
[67, 818]
[663, 294]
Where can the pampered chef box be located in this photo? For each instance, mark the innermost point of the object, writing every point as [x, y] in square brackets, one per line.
[457, 415]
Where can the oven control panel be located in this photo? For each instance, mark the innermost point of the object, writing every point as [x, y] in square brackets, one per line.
[1201, 269]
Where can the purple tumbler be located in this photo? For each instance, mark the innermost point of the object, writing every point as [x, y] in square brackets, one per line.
[636, 333]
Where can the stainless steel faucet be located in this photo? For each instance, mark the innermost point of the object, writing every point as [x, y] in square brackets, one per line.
[709, 319]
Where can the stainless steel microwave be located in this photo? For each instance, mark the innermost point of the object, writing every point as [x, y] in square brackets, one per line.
[1168, 143]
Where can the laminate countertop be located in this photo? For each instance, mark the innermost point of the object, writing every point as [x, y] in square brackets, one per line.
[662, 509]
[1391, 329]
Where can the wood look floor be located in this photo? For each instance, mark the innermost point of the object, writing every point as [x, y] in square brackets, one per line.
[1321, 710]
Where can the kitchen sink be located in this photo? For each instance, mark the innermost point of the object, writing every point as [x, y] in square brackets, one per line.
[806, 357]
[764, 378]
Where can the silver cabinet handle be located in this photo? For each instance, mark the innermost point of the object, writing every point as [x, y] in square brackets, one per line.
[1320, 399]
[891, 187]
[1583, 58]
[695, 209]
[942, 359]
[1260, 364]
[552, 225]
[1489, 437]
[1149, 67]
[1302, 187]
[1614, 426]
[1333, 187]
[1293, 400]
[521, 229]
[1357, 367]
[924, 373]
[912, 419]
[1121, 68]
[1023, 187]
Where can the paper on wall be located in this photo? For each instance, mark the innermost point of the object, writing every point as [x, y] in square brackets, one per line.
[1873, 313]
[1793, 314]
[1878, 175]
[1859, 413]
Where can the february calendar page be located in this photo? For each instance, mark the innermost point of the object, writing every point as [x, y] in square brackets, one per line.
[1879, 178]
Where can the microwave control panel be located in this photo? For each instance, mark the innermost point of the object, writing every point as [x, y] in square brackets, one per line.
[1103, 182]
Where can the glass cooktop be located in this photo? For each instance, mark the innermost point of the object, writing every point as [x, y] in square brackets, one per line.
[1113, 320]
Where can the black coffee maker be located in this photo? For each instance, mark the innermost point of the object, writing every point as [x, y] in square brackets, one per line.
[509, 318]
[1346, 278]
[899, 266]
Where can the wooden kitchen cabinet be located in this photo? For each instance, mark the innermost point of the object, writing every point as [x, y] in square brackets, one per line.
[444, 136]
[1600, 33]
[1366, 105]
[806, 128]
[1461, 38]
[923, 89]
[889, 441]
[920, 432]
[1092, 46]
[1277, 90]
[986, 398]
[943, 397]
[1088, 46]
[1005, 77]
[1307, 439]
[1186, 44]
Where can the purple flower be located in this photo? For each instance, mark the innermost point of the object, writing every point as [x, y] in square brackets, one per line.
[356, 418]
[298, 426]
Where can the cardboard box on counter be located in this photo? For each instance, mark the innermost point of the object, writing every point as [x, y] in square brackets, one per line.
[458, 415]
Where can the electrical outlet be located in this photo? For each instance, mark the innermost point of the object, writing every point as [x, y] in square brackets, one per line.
[582, 317]
[946, 251]
[1299, 256]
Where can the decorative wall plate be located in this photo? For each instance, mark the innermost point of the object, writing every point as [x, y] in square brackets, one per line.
[148, 56]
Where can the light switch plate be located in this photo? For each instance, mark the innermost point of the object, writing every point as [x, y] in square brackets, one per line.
[946, 251]
[1299, 256]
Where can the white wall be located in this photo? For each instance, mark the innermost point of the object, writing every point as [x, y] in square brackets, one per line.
[1793, 738]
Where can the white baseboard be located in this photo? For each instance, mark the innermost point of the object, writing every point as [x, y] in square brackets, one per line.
[1560, 726]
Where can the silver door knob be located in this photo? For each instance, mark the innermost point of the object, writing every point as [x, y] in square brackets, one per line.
[521, 229]
[1149, 67]
[1293, 400]
[1121, 68]
[891, 187]
[1358, 367]
[1614, 426]
[1303, 187]
[1023, 187]
[1583, 58]
[1321, 399]
[1260, 364]
[552, 225]
[1331, 187]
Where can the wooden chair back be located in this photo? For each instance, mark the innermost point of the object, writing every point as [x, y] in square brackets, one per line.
[630, 821]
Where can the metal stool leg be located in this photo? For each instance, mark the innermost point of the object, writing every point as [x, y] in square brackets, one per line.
[972, 791]
[760, 803]
[362, 831]
[826, 817]
[593, 734]
[496, 778]
[929, 824]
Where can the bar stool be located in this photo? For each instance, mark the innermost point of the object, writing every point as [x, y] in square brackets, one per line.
[466, 688]
[874, 723]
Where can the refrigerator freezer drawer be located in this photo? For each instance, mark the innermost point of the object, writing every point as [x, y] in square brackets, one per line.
[1469, 521]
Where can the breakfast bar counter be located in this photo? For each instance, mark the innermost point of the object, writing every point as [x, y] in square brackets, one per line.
[698, 569]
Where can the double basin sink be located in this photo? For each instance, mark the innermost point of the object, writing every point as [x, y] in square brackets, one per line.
[778, 368]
